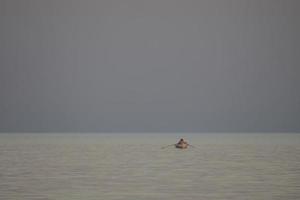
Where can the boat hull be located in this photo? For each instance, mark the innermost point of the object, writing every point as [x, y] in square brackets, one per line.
[181, 146]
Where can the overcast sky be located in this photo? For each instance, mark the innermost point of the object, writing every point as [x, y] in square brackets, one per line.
[149, 66]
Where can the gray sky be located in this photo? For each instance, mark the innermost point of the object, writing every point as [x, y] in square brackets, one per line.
[149, 65]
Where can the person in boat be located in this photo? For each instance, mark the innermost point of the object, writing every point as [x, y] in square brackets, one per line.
[181, 142]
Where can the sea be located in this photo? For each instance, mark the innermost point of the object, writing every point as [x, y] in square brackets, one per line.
[141, 166]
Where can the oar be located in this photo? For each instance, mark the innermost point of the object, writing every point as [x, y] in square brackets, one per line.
[167, 146]
[191, 145]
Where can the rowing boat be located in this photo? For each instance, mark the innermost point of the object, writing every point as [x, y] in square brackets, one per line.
[181, 146]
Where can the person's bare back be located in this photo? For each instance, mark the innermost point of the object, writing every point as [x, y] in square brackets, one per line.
[181, 144]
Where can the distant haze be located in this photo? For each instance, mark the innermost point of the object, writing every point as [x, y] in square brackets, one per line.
[149, 66]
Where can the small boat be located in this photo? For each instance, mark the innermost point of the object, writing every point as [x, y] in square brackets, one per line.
[181, 146]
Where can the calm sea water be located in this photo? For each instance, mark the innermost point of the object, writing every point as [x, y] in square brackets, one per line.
[133, 166]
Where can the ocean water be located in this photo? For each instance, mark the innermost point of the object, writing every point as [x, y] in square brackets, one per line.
[134, 166]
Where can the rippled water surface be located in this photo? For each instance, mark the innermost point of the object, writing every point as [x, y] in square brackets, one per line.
[134, 166]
